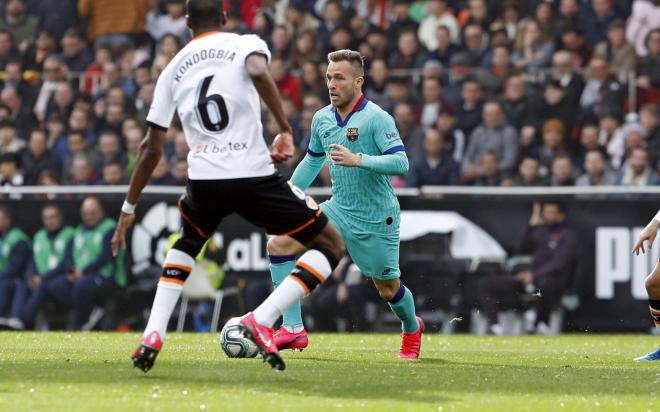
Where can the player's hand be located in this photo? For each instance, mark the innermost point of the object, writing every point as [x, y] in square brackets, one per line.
[282, 148]
[119, 238]
[648, 235]
[344, 157]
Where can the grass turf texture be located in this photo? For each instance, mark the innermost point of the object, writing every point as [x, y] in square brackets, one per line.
[91, 372]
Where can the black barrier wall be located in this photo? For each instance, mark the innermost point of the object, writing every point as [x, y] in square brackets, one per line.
[610, 281]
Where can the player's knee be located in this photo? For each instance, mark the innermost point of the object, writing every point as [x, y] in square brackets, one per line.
[652, 284]
[387, 292]
[279, 245]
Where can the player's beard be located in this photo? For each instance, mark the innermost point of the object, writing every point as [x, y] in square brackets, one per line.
[343, 103]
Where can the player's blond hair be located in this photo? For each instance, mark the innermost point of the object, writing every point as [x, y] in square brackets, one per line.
[351, 56]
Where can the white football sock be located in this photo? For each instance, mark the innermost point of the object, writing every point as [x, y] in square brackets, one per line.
[292, 289]
[168, 293]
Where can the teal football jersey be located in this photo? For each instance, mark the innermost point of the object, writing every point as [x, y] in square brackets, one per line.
[366, 198]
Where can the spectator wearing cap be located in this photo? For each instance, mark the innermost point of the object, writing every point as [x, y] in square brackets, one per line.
[515, 101]
[533, 48]
[637, 170]
[38, 157]
[9, 141]
[459, 71]
[493, 135]
[597, 19]
[435, 167]
[648, 75]
[21, 25]
[173, 21]
[113, 22]
[553, 141]
[402, 20]
[75, 53]
[619, 54]
[445, 47]
[529, 173]
[597, 172]
[469, 111]
[437, 14]
[562, 171]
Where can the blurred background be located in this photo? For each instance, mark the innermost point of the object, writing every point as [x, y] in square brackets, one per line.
[532, 129]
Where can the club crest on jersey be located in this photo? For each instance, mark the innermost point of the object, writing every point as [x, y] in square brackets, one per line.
[352, 134]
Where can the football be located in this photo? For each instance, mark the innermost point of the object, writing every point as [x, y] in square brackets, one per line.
[234, 344]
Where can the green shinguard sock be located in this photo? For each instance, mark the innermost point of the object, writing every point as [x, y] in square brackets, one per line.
[403, 306]
[280, 268]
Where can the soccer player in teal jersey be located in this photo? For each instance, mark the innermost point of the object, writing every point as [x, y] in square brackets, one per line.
[363, 148]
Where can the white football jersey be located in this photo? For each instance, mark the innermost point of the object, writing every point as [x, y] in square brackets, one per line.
[219, 107]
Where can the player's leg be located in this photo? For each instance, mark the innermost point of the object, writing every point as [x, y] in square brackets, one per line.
[377, 256]
[197, 226]
[282, 253]
[653, 290]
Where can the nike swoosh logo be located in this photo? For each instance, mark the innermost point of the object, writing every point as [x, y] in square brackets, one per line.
[266, 342]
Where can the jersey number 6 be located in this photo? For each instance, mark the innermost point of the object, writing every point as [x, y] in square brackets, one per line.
[216, 120]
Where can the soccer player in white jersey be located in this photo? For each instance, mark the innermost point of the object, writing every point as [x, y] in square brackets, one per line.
[214, 83]
[652, 281]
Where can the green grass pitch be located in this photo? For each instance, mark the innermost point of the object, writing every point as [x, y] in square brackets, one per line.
[339, 372]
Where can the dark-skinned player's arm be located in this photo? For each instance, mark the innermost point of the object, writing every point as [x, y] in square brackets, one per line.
[149, 153]
[256, 65]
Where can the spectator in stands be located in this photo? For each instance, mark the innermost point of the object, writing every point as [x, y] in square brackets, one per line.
[569, 15]
[650, 121]
[515, 102]
[288, 85]
[409, 54]
[645, 17]
[14, 258]
[601, 93]
[21, 113]
[469, 111]
[435, 167]
[588, 142]
[9, 141]
[552, 244]
[161, 175]
[597, 21]
[91, 273]
[173, 21]
[491, 174]
[376, 87]
[75, 53]
[50, 245]
[332, 18]
[432, 102]
[475, 43]
[564, 72]
[619, 54]
[113, 22]
[437, 15]
[493, 135]
[637, 170]
[44, 45]
[38, 157]
[597, 172]
[533, 48]
[21, 25]
[8, 49]
[181, 171]
[445, 47]
[54, 74]
[82, 171]
[402, 20]
[454, 139]
[109, 149]
[404, 118]
[312, 83]
[500, 69]
[647, 67]
[299, 20]
[529, 173]
[112, 173]
[62, 101]
[14, 79]
[54, 16]
[553, 142]
[11, 174]
[562, 171]
[552, 104]
[475, 14]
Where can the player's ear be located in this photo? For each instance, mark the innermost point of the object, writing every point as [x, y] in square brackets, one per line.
[359, 81]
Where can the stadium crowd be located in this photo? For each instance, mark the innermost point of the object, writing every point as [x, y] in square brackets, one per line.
[484, 93]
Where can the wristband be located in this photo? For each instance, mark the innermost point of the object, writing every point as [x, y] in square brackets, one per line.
[128, 208]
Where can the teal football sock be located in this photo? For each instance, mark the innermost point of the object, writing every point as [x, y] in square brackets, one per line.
[403, 306]
[280, 268]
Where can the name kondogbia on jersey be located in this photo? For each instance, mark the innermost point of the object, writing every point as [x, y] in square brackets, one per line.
[200, 56]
